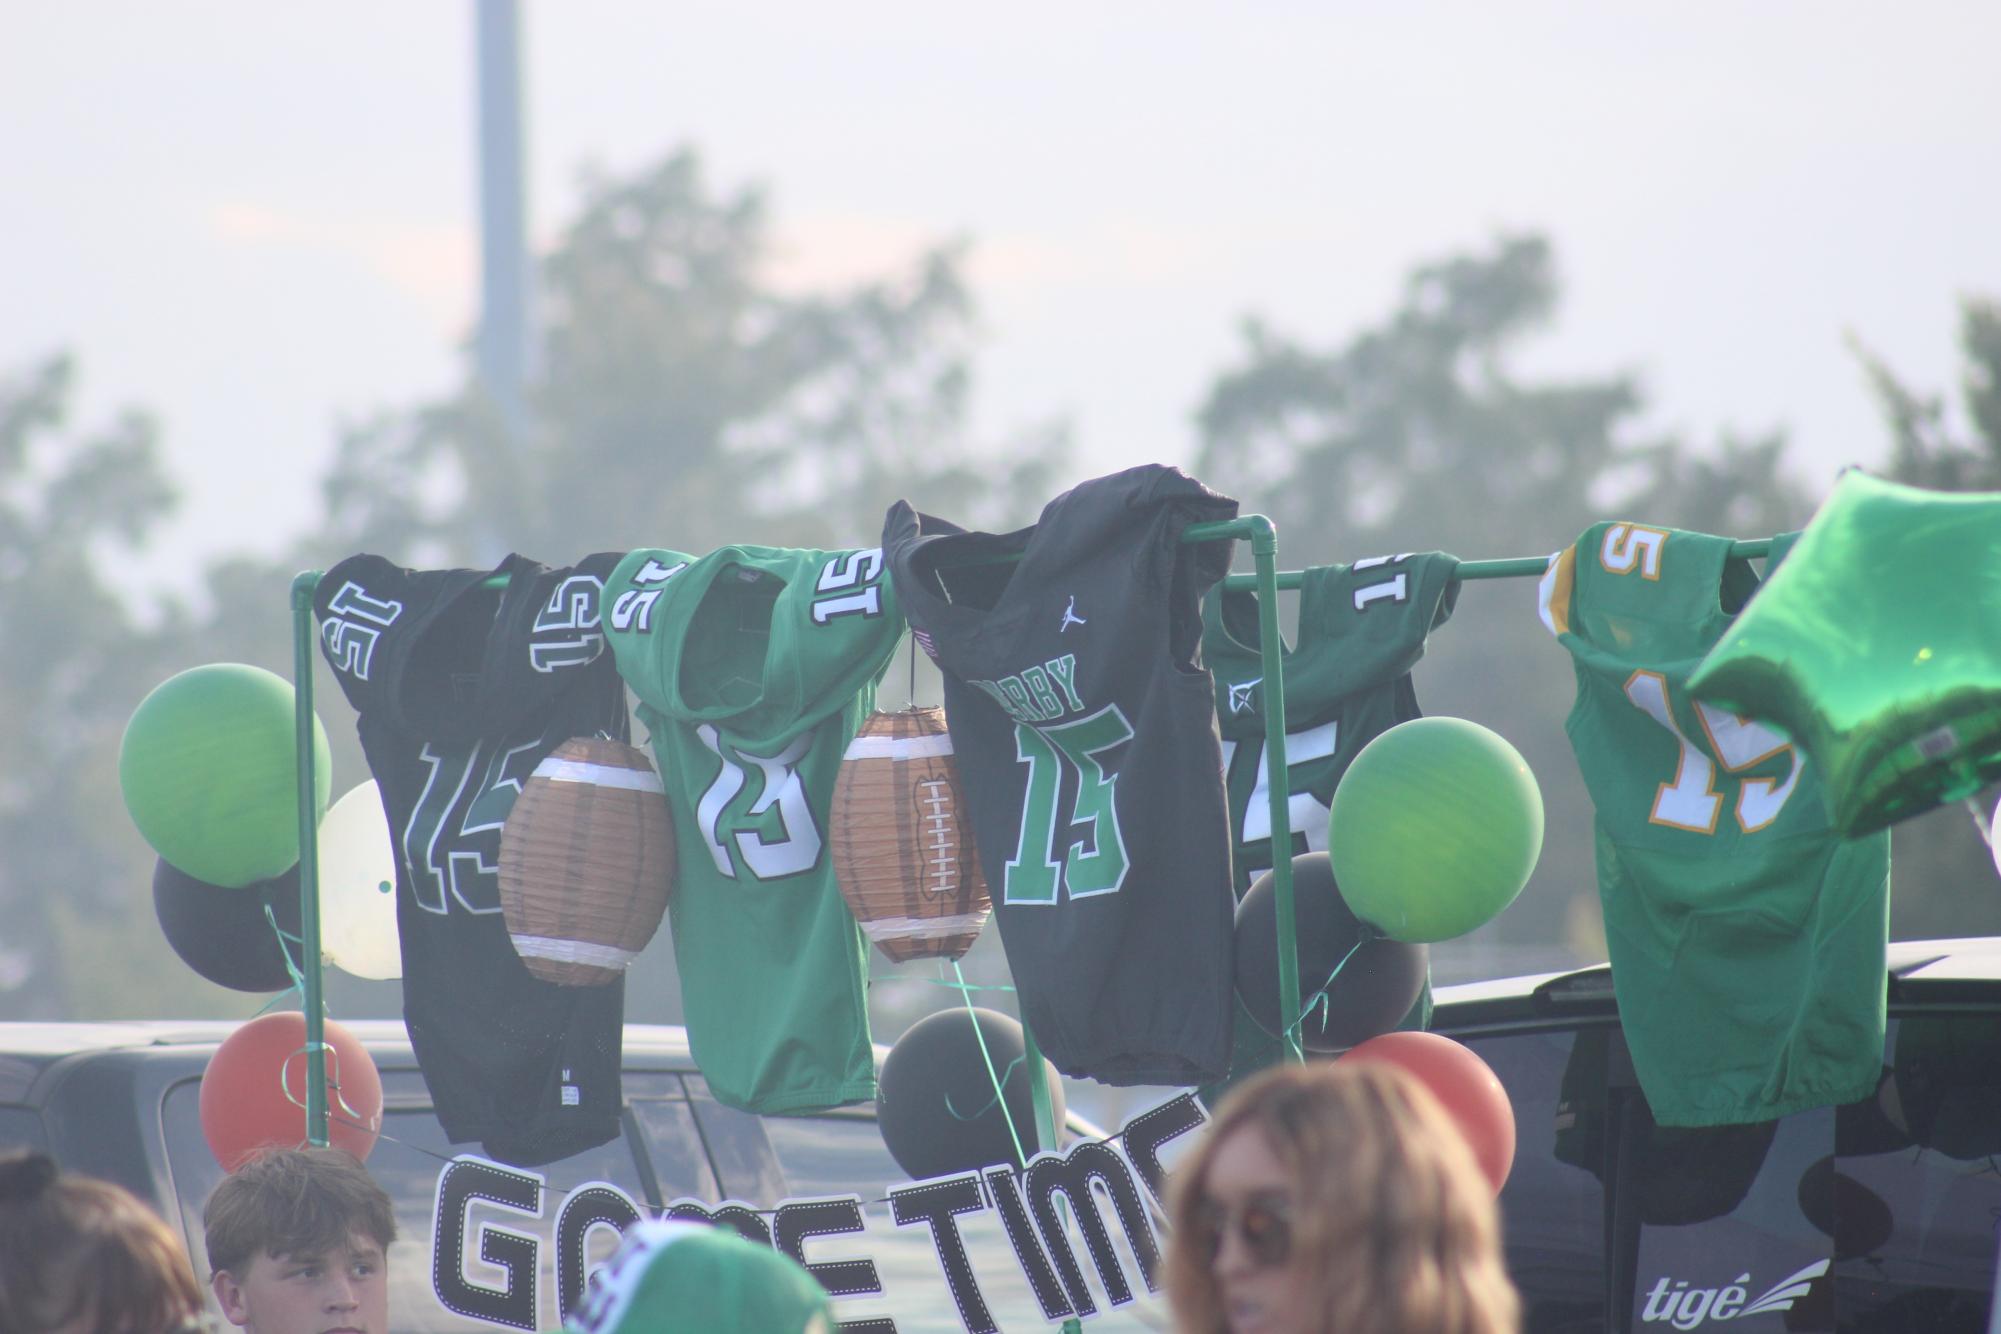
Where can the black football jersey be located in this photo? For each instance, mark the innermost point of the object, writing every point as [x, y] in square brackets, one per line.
[1085, 729]
[462, 690]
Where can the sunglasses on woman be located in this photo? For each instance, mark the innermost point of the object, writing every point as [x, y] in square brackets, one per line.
[1263, 1224]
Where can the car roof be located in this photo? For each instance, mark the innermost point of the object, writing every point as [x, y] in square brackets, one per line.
[1966, 958]
[28, 1049]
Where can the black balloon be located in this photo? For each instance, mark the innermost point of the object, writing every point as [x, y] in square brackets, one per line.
[1375, 988]
[1856, 1217]
[1690, 1174]
[935, 1102]
[223, 933]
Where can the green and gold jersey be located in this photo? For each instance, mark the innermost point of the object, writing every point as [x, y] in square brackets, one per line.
[1746, 936]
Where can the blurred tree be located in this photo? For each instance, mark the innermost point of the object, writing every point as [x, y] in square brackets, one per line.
[1925, 450]
[77, 930]
[1944, 870]
[687, 402]
[1418, 434]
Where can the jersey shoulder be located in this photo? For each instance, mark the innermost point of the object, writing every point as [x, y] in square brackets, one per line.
[371, 614]
[1638, 591]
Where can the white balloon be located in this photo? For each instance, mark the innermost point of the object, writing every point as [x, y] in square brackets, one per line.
[358, 887]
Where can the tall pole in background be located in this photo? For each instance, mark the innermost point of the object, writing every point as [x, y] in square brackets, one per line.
[506, 347]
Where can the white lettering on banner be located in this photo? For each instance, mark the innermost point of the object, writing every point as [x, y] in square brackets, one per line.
[489, 1270]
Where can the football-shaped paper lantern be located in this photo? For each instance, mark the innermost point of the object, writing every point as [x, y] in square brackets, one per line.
[208, 767]
[903, 847]
[253, 1094]
[586, 862]
[358, 888]
[1379, 978]
[223, 934]
[935, 1102]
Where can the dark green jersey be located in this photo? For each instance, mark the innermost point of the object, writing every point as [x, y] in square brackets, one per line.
[1361, 629]
[1746, 936]
[754, 668]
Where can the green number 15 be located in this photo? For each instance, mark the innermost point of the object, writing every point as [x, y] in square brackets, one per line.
[1096, 865]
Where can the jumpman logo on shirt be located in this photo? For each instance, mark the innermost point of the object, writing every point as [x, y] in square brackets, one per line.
[1070, 616]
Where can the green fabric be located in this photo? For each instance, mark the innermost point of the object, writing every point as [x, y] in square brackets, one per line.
[754, 668]
[1874, 648]
[1746, 937]
[691, 1278]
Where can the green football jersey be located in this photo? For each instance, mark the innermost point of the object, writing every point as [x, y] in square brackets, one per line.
[1746, 936]
[1362, 628]
[754, 668]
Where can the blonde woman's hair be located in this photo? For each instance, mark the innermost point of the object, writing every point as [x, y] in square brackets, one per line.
[1394, 1226]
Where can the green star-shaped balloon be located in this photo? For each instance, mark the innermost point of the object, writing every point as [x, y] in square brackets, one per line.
[1876, 647]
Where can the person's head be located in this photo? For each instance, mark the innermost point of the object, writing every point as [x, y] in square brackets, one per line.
[298, 1240]
[79, 1256]
[671, 1277]
[1335, 1196]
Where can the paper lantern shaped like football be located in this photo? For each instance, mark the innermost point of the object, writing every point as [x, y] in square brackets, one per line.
[903, 840]
[586, 862]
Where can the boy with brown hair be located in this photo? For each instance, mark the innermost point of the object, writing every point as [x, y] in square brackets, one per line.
[298, 1242]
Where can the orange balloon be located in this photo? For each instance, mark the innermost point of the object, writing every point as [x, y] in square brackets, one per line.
[253, 1094]
[1467, 1086]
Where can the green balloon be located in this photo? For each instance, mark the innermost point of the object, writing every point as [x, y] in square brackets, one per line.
[1434, 829]
[209, 767]
[1876, 646]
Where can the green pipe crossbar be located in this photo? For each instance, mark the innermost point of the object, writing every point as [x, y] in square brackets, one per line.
[1265, 578]
[1514, 567]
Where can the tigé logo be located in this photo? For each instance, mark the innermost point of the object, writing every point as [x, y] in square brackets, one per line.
[1684, 1307]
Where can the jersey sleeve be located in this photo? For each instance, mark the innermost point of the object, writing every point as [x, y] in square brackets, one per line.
[359, 606]
[1556, 590]
[637, 633]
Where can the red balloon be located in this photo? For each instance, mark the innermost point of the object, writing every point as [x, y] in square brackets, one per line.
[253, 1094]
[1465, 1084]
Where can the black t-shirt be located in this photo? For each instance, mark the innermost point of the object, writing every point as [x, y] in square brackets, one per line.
[462, 691]
[1085, 730]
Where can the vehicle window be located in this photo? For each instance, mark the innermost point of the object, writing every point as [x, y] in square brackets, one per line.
[21, 1128]
[1731, 1221]
[674, 1146]
[1916, 1181]
[831, 1155]
[407, 1160]
[742, 1153]
[1553, 1205]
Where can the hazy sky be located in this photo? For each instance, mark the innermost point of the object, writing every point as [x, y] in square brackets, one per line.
[258, 219]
